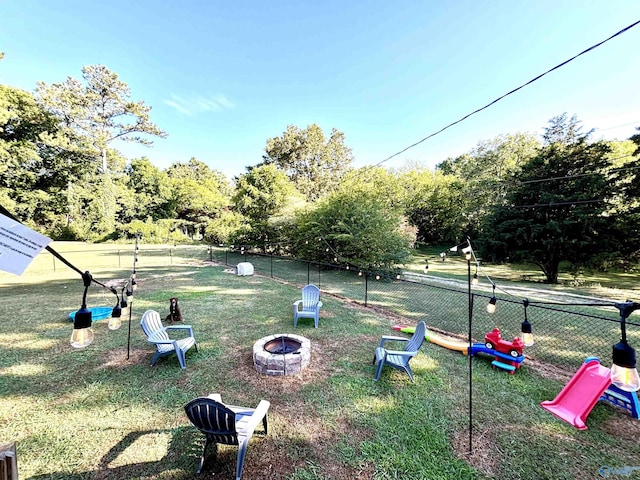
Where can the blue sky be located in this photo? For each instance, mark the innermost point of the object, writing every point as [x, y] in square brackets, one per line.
[224, 77]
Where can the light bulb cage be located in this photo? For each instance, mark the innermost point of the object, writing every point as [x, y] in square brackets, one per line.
[491, 306]
[82, 318]
[623, 355]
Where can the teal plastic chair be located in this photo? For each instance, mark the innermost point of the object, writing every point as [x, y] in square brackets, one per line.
[309, 306]
[226, 424]
[399, 359]
[158, 334]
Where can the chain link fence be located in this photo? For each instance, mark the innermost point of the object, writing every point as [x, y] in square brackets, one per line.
[565, 332]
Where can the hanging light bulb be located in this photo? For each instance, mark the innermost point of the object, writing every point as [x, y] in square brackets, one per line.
[475, 279]
[624, 377]
[491, 306]
[527, 334]
[123, 302]
[624, 374]
[134, 284]
[82, 334]
[114, 321]
[527, 331]
[377, 277]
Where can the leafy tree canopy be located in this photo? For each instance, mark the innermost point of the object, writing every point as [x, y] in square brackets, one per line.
[314, 164]
[97, 112]
[355, 229]
[555, 209]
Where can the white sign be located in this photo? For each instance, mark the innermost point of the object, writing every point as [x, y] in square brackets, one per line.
[19, 245]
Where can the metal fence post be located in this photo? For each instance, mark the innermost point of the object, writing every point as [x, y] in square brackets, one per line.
[308, 273]
[366, 287]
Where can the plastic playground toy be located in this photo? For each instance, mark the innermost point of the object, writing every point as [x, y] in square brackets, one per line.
[97, 313]
[590, 384]
[507, 355]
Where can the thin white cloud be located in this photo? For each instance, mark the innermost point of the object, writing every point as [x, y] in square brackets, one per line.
[196, 104]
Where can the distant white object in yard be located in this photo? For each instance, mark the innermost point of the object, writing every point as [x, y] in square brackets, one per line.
[244, 268]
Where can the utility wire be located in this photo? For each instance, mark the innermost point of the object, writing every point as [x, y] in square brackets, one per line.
[509, 93]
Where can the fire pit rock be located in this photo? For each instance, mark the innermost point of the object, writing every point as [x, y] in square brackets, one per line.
[281, 354]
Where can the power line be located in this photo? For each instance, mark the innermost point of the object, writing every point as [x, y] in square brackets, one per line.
[509, 93]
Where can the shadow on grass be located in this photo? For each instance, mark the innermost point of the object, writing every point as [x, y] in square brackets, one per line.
[179, 467]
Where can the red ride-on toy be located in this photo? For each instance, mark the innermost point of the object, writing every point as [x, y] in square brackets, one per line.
[494, 341]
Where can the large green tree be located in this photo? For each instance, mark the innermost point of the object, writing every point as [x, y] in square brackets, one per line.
[152, 190]
[312, 162]
[481, 175]
[436, 204]
[34, 176]
[198, 194]
[98, 112]
[263, 196]
[361, 223]
[555, 209]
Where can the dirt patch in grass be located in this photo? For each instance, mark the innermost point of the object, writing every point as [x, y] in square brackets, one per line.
[483, 455]
[549, 371]
[118, 358]
[622, 427]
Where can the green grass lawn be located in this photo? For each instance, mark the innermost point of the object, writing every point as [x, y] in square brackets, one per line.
[94, 414]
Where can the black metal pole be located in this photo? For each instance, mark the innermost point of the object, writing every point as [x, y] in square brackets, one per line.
[131, 285]
[366, 288]
[129, 332]
[470, 359]
[308, 273]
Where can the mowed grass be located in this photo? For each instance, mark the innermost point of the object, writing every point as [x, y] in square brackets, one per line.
[94, 414]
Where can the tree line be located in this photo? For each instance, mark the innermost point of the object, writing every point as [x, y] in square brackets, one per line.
[564, 197]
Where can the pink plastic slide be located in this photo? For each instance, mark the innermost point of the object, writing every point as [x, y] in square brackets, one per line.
[578, 397]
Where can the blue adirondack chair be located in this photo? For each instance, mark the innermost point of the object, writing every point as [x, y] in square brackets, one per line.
[226, 424]
[309, 306]
[399, 358]
[158, 334]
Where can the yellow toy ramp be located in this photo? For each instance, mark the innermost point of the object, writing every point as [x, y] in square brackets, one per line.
[456, 345]
[446, 343]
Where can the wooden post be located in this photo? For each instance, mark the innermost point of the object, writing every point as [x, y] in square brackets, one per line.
[8, 461]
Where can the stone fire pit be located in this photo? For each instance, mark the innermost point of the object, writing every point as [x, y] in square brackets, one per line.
[281, 354]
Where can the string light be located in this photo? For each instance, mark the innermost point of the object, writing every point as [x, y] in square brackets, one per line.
[527, 332]
[491, 306]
